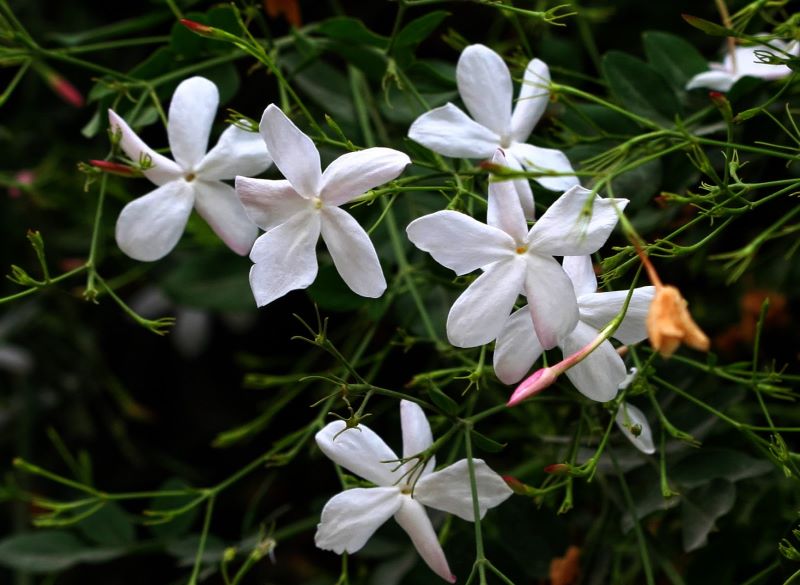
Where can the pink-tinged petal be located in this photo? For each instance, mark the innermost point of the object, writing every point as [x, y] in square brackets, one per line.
[478, 315]
[551, 299]
[577, 223]
[581, 272]
[350, 518]
[534, 96]
[162, 169]
[629, 416]
[517, 347]
[292, 151]
[414, 520]
[285, 258]
[191, 114]
[716, 80]
[218, 204]
[355, 173]
[459, 242]
[505, 210]
[270, 203]
[599, 309]
[149, 227]
[417, 437]
[449, 489]
[598, 376]
[536, 159]
[449, 131]
[484, 83]
[359, 450]
[523, 188]
[237, 152]
[353, 253]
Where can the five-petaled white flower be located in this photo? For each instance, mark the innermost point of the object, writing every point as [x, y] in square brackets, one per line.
[599, 375]
[484, 83]
[350, 518]
[149, 227]
[294, 212]
[515, 260]
[745, 62]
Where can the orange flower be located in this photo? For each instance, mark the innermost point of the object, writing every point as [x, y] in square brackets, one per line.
[566, 570]
[289, 8]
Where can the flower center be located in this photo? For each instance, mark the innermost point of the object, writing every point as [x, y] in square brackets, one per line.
[406, 490]
[189, 177]
[317, 202]
[521, 249]
[505, 141]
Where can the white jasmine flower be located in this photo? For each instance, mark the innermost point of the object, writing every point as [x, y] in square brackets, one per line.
[515, 259]
[296, 211]
[149, 227]
[350, 518]
[598, 375]
[744, 63]
[484, 83]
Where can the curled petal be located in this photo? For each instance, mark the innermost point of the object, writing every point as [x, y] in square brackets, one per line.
[484, 83]
[459, 242]
[218, 204]
[633, 424]
[449, 131]
[478, 315]
[360, 451]
[292, 151]
[350, 518]
[449, 489]
[285, 258]
[536, 159]
[599, 375]
[581, 273]
[517, 347]
[191, 113]
[523, 188]
[355, 173]
[599, 308]
[149, 227]
[162, 170]
[414, 520]
[717, 80]
[551, 299]
[237, 152]
[417, 435]
[533, 99]
[270, 203]
[505, 210]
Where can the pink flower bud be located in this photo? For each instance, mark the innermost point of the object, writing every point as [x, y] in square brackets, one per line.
[114, 168]
[533, 384]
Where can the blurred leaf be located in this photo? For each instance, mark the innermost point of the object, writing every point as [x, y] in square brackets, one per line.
[675, 58]
[159, 62]
[708, 27]
[224, 17]
[442, 401]
[330, 292]
[51, 550]
[351, 30]
[180, 525]
[123, 27]
[324, 84]
[110, 525]
[209, 281]
[484, 443]
[419, 29]
[185, 42]
[185, 550]
[701, 467]
[700, 510]
[227, 79]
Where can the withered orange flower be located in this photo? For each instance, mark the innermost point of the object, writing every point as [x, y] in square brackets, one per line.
[566, 570]
[289, 8]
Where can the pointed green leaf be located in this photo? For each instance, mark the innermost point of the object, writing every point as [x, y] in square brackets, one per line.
[673, 57]
[442, 401]
[484, 443]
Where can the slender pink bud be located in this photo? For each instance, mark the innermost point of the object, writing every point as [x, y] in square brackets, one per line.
[63, 88]
[23, 177]
[114, 168]
[557, 469]
[533, 384]
[203, 29]
[516, 485]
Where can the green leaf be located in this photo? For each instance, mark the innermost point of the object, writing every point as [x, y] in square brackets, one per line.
[180, 525]
[704, 466]
[701, 508]
[226, 77]
[708, 27]
[675, 58]
[442, 401]
[640, 88]
[48, 551]
[110, 525]
[419, 29]
[351, 30]
[330, 292]
[216, 281]
[484, 443]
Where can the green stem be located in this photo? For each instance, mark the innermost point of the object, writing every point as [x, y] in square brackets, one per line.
[203, 538]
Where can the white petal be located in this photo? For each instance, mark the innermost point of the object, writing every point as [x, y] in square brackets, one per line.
[628, 415]
[237, 152]
[478, 315]
[598, 376]
[292, 151]
[505, 210]
[546, 160]
[355, 173]
[457, 241]
[162, 169]
[353, 253]
[149, 227]
[517, 347]
[581, 273]
[449, 131]
[599, 308]
[551, 299]
[350, 518]
[534, 95]
[360, 451]
[414, 520]
[218, 204]
[523, 188]
[191, 113]
[449, 489]
[285, 258]
[270, 203]
[484, 83]
[570, 228]
[417, 436]
[716, 80]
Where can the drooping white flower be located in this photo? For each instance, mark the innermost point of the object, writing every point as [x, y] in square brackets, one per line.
[149, 227]
[484, 83]
[633, 423]
[350, 518]
[745, 62]
[296, 211]
[515, 260]
[599, 375]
